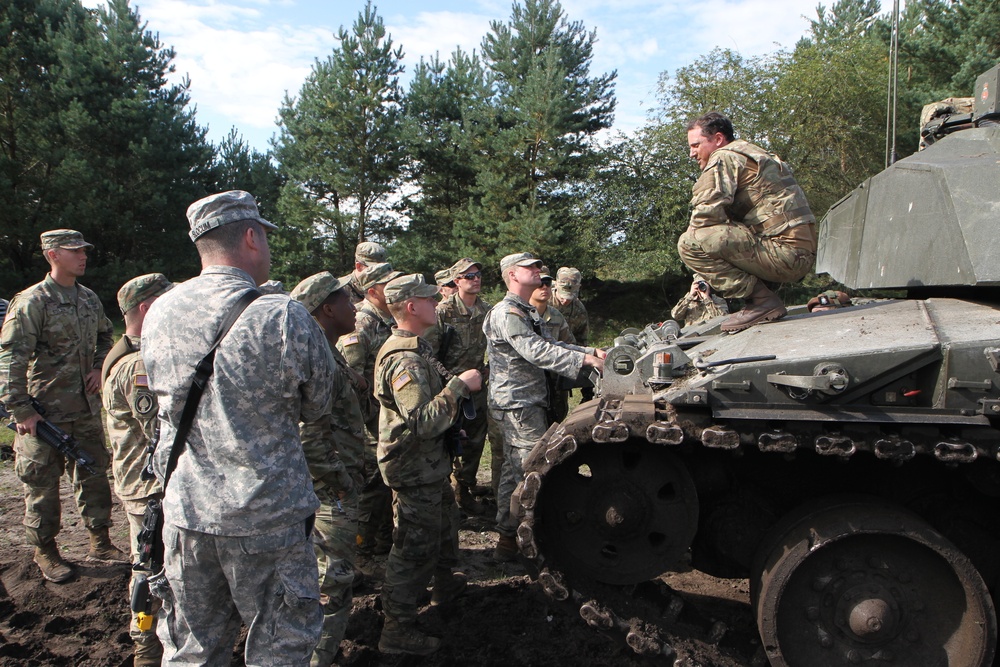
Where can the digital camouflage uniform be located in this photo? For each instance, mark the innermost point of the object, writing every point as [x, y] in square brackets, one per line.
[557, 328]
[359, 349]
[239, 507]
[131, 420]
[52, 337]
[520, 353]
[417, 409]
[690, 311]
[466, 350]
[750, 220]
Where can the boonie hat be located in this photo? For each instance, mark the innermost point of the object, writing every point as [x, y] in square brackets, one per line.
[141, 288]
[408, 287]
[69, 239]
[221, 209]
[519, 259]
[314, 290]
[369, 252]
[443, 278]
[376, 274]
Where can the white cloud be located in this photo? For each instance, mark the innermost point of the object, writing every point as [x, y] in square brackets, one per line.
[428, 33]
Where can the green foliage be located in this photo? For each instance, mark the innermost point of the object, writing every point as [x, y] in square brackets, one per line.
[79, 92]
[340, 143]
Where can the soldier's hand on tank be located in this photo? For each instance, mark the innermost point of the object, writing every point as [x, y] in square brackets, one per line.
[92, 381]
[594, 362]
[473, 379]
[600, 354]
[29, 425]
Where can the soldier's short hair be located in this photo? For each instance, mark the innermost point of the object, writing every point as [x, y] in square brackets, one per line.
[712, 123]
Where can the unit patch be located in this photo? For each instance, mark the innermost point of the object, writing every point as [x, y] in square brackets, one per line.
[144, 403]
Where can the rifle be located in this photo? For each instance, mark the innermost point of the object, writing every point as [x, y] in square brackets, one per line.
[149, 560]
[55, 437]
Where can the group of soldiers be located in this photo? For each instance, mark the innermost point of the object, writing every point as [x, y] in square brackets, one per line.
[303, 434]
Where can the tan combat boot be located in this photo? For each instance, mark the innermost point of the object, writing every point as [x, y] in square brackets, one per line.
[406, 638]
[448, 585]
[467, 500]
[506, 550]
[51, 563]
[101, 549]
[762, 305]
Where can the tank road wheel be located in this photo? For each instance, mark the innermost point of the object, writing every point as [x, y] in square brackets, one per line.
[861, 582]
[618, 513]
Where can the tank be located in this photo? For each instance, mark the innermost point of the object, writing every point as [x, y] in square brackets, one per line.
[845, 462]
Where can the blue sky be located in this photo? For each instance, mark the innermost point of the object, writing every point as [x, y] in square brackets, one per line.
[243, 55]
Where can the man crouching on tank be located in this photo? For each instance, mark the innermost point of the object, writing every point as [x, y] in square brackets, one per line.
[750, 222]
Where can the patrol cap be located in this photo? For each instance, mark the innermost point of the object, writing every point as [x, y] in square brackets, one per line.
[518, 259]
[314, 290]
[545, 273]
[829, 299]
[369, 252]
[443, 278]
[463, 265]
[139, 289]
[568, 280]
[69, 239]
[221, 209]
[376, 274]
[409, 286]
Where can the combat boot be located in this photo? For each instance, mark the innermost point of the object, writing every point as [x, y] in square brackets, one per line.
[51, 563]
[762, 305]
[405, 638]
[448, 585]
[467, 501]
[506, 550]
[368, 566]
[102, 550]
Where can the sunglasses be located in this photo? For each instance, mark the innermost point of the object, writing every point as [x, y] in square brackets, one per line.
[471, 276]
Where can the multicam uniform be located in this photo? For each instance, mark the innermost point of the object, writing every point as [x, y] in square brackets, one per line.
[239, 506]
[690, 310]
[417, 409]
[575, 314]
[359, 348]
[519, 355]
[466, 350]
[750, 220]
[131, 420]
[334, 448]
[51, 338]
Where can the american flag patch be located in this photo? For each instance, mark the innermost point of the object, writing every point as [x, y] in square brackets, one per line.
[401, 380]
[350, 340]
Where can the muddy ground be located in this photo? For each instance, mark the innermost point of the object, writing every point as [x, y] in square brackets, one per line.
[503, 619]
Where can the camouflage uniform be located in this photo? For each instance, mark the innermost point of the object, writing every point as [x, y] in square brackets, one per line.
[359, 349]
[575, 314]
[749, 220]
[690, 311]
[52, 337]
[239, 506]
[519, 355]
[131, 420]
[557, 328]
[417, 409]
[334, 448]
[466, 350]
[567, 286]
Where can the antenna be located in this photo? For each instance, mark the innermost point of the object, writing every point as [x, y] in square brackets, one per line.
[891, 89]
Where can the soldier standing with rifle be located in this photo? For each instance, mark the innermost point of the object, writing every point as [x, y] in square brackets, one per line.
[54, 339]
[131, 418]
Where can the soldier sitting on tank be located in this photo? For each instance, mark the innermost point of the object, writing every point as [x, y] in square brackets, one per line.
[699, 304]
[750, 222]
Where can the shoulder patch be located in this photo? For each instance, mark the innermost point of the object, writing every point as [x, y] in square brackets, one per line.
[144, 403]
[350, 340]
[401, 380]
[140, 380]
[514, 310]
